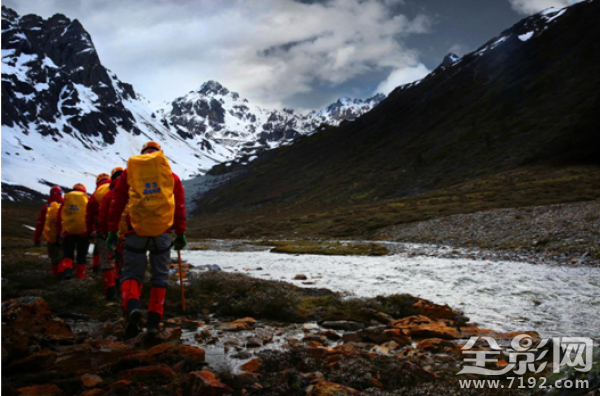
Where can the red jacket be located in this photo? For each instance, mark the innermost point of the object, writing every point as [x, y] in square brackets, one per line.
[41, 219]
[92, 210]
[122, 196]
[105, 207]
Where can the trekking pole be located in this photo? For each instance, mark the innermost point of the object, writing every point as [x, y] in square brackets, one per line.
[181, 282]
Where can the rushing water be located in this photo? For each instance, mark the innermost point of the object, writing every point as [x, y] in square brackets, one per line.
[507, 296]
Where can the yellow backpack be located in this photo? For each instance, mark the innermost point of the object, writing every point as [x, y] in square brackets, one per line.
[73, 213]
[50, 224]
[101, 192]
[151, 200]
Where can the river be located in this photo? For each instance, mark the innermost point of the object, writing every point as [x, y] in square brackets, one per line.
[504, 296]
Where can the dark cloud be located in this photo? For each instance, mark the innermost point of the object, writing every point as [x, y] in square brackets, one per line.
[280, 52]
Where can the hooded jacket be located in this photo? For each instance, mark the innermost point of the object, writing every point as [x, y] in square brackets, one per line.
[41, 219]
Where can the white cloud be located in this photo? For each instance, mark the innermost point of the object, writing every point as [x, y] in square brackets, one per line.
[529, 7]
[402, 76]
[268, 51]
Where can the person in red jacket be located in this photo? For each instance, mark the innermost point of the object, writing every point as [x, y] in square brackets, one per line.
[46, 226]
[110, 274]
[155, 188]
[70, 226]
[91, 220]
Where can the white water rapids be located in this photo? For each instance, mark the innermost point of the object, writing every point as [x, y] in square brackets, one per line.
[504, 296]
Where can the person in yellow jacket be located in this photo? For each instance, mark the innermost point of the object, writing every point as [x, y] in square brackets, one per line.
[71, 227]
[46, 227]
[92, 221]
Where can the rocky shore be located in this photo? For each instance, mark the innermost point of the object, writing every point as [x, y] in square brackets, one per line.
[240, 336]
[555, 234]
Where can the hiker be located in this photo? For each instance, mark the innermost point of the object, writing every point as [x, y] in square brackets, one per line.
[46, 226]
[110, 274]
[100, 253]
[71, 228]
[156, 202]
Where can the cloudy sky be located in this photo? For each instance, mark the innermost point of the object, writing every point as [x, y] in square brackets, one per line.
[302, 54]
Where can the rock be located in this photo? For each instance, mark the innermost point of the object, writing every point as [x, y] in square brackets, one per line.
[343, 325]
[331, 335]
[90, 380]
[324, 388]
[233, 342]
[351, 336]
[310, 326]
[435, 345]
[93, 392]
[203, 335]
[254, 342]
[150, 354]
[434, 311]
[378, 316]
[300, 277]
[314, 337]
[242, 355]
[380, 334]
[204, 383]
[442, 357]
[237, 325]
[380, 350]
[28, 321]
[122, 384]
[420, 326]
[41, 390]
[313, 377]
[190, 353]
[160, 372]
[391, 345]
[35, 362]
[252, 365]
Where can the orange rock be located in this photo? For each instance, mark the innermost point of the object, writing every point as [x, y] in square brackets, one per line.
[346, 349]
[34, 362]
[191, 353]
[320, 351]
[149, 373]
[420, 326]
[93, 392]
[324, 388]
[434, 311]
[26, 321]
[314, 344]
[435, 345]
[41, 390]
[120, 384]
[252, 365]
[150, 354]
[238, 325]
[204, 383]
[90, 380]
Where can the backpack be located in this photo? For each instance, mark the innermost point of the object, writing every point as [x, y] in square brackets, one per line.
[50, 224]
[101, 192]
[73, 213]
[151, 199]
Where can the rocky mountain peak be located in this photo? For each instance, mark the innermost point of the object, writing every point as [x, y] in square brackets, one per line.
[450, 59]
[212, 87]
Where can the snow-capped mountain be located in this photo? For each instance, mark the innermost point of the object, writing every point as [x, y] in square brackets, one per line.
[66, 118]
[215, 113]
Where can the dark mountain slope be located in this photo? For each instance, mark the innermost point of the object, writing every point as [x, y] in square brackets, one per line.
[527, 97]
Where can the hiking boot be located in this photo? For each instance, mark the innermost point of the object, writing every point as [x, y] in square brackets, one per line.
[134, 318]
[152, 324]
[67, 274]
[111, 293]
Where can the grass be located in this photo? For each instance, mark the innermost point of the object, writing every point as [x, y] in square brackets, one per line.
[326, 248]
[528, 186]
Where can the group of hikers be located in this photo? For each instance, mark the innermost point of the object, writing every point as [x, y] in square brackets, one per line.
[132, 212]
